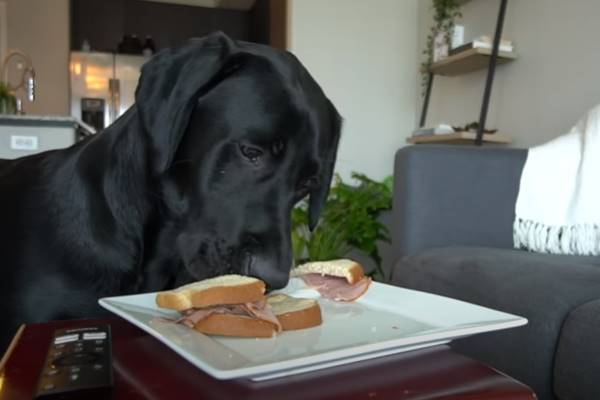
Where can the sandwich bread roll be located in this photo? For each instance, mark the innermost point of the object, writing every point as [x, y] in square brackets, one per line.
[226, 289]
[294, 313]
[228, 305]
[340, 280]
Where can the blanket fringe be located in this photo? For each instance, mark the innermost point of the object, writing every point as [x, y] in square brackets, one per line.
[581, 239]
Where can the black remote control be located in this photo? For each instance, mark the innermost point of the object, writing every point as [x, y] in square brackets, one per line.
[78, 361]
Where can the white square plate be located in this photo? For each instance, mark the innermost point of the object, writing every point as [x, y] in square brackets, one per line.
[386, 320]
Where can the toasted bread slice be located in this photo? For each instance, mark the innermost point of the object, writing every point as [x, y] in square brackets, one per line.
[235, 325]
[226, 289]
[294, 313]
[349, 269]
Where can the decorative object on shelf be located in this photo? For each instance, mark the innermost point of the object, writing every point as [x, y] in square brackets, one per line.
[458, 36]
[483, 42]
[440, 129]
[26, 81]
[349, 221]
[473, 127]
[440, 47]
[445, 14]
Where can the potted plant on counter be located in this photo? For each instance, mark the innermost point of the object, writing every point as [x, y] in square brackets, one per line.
[8, 102]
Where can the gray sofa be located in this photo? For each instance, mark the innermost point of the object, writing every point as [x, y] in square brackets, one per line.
[452, 235]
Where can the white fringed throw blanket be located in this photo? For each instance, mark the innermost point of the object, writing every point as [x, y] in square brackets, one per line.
[558, 207]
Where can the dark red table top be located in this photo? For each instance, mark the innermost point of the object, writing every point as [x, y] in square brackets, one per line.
[146, 369]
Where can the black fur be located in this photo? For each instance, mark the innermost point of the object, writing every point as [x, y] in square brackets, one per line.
[197, 179]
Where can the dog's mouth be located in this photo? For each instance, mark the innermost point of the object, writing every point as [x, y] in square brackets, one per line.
[213, 257]
[211, 260]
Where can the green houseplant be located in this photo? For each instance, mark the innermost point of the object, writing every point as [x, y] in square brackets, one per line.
[8, 102]
[445, 13]
[350, 220]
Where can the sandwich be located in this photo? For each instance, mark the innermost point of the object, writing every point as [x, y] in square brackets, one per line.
[235, 305]
[228, 305]
[340, 280]
[294, 313]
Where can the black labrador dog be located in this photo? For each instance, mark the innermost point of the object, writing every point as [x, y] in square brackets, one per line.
[197, 179]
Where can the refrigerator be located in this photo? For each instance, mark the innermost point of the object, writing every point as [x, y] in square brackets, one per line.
[103, 85]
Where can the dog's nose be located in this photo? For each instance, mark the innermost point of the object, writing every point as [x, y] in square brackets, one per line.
[270, 270]
[270, 259]
[272, 276]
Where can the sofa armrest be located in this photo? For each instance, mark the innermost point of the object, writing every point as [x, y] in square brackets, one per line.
[454, 195]
[577, 359]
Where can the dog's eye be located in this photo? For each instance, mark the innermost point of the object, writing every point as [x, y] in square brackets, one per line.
[251, 153]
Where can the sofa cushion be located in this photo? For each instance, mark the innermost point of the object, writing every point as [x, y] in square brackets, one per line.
[543, 288]
[577, 361]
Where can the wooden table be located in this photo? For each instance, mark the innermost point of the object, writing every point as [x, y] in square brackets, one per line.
[146, 369]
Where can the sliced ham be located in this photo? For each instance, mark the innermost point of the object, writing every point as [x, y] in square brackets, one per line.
[192, 316]
[259, 310]
[262, 310]
[337, 288]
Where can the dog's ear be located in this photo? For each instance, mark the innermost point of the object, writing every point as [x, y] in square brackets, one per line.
[170, 85]
[318, 197]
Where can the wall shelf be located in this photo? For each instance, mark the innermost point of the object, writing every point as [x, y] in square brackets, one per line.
[463, 62]
[462, 137]
[468, 61]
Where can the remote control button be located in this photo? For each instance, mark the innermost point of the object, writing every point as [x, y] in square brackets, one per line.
[59, 346]
[75, 369]
[98, 349]
[99, 341]
[74, 377]
[97, 367]
[48, 386]
[77, 349]
[57, 354]
[66, 339]
[52, 372]
[94, 336]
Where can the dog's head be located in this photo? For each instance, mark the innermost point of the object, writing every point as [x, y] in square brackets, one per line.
[239, 133]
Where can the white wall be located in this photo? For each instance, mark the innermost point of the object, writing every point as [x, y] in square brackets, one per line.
[40, 28]
[362, 53]
[543, 93]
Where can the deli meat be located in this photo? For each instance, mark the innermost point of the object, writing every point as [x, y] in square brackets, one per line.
[337, 288]
[262, 310]
[193, 315]
[259, 310]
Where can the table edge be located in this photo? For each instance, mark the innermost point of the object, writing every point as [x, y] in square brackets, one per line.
[11, 347]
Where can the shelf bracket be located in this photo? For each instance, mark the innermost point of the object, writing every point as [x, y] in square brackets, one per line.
[490, 75]
[426, 100]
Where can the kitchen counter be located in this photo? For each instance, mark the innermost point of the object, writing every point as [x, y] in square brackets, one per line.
[24, 135]
[47, 120]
